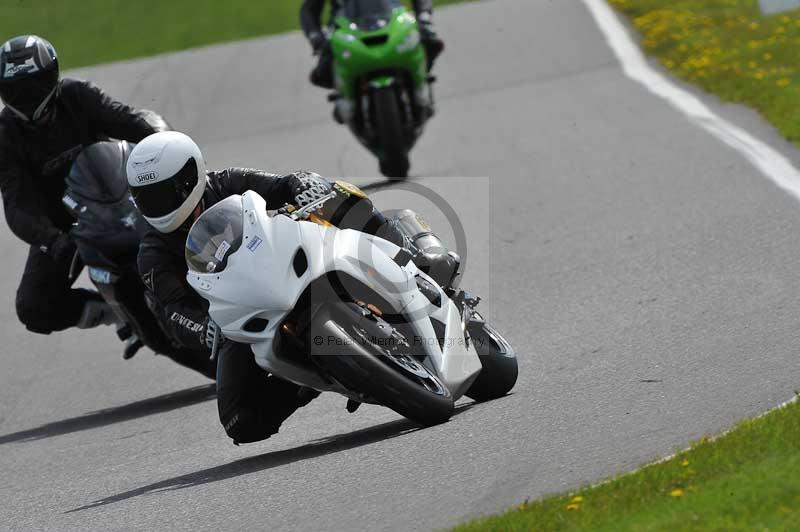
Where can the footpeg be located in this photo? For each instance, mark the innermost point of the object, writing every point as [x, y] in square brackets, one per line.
[132, 346]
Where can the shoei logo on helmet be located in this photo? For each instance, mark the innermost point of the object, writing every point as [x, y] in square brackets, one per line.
[149, 176]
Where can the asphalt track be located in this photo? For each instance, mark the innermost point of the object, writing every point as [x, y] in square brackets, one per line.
[646, 273]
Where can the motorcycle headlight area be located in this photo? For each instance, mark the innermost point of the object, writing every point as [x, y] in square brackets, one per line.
[409, 43]
[215, 235]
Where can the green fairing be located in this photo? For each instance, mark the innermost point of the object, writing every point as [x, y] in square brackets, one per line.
[354, 59]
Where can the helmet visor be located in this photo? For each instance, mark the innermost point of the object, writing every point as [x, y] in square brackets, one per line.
[164, 197]
[27, 95]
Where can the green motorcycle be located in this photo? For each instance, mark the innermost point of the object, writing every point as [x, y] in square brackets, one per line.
[383, 91]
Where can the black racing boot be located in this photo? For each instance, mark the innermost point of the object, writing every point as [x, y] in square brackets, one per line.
[96, 313]
[427, 250]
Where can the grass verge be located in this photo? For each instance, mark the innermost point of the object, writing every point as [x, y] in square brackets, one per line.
[728, 48]
[748, 479]
[87, 32]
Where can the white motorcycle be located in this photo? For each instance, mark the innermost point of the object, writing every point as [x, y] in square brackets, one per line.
[343, 311]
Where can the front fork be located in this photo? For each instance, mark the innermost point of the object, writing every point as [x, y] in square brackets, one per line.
[422, 108]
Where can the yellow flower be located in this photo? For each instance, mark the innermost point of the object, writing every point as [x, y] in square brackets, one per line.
[754, 25]
[767, 56]
[685, 463]
[577, 499]
[573, 506]
[676, 493]
[783, 82]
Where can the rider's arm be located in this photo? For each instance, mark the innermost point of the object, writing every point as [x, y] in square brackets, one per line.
[277, 190]
[311, 21]
[422, 6]
[21, 206]
[112, 118]
[177, 306]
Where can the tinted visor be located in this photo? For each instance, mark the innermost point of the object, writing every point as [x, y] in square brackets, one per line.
[27, 94]
[164, 197]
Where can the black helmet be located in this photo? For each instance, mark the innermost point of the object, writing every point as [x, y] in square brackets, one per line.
[28, 76]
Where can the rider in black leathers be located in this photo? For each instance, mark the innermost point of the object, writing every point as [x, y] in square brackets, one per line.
[251, 404]
[171, 188]
[311, 22]
[45, 124]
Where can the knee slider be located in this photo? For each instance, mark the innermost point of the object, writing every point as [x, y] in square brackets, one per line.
[243, 427]
[33, 318]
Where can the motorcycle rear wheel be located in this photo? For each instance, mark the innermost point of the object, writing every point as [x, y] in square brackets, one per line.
[389, 375]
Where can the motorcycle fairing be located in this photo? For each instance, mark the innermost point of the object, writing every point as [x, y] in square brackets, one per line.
[261, 281]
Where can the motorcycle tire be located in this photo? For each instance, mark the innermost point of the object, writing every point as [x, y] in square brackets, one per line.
[499, 361]
[390, 130]
[395, 380]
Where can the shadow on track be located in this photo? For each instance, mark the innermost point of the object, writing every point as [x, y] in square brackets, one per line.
[117, 414]
[379, 185]
[254, 464]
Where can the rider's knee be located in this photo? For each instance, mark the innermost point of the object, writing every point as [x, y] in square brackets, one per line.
[245, 427]
[33, 316]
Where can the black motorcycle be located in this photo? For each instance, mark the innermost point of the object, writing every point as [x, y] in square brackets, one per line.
[107, 233]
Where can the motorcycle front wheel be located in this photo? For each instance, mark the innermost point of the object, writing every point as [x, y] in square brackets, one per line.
[354, 350]
[390, 129]
[499, 361]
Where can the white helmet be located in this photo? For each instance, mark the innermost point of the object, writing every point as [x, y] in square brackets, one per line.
[167, 176]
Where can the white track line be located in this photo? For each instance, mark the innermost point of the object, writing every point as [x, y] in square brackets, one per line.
[767, 160]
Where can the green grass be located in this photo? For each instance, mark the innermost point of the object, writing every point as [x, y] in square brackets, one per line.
[728, 48]
[748, 479]
[87, 32]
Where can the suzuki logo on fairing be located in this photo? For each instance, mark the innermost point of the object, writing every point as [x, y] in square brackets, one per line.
[149, 176]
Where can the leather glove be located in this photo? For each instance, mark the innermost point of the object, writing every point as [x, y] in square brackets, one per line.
[307, 187]
[63, 248]
[318, 41]
[425, 25]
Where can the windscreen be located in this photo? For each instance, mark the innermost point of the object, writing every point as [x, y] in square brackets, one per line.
[215, 236]
[98, 173]
[370, 14]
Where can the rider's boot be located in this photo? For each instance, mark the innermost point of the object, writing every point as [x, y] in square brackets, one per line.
[427, 250]
[96, 313]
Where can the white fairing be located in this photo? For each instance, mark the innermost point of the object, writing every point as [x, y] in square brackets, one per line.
[259, 281]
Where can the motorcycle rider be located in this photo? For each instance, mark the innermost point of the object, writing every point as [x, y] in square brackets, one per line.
[45, 124]
[171, 187]
[311, 22]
